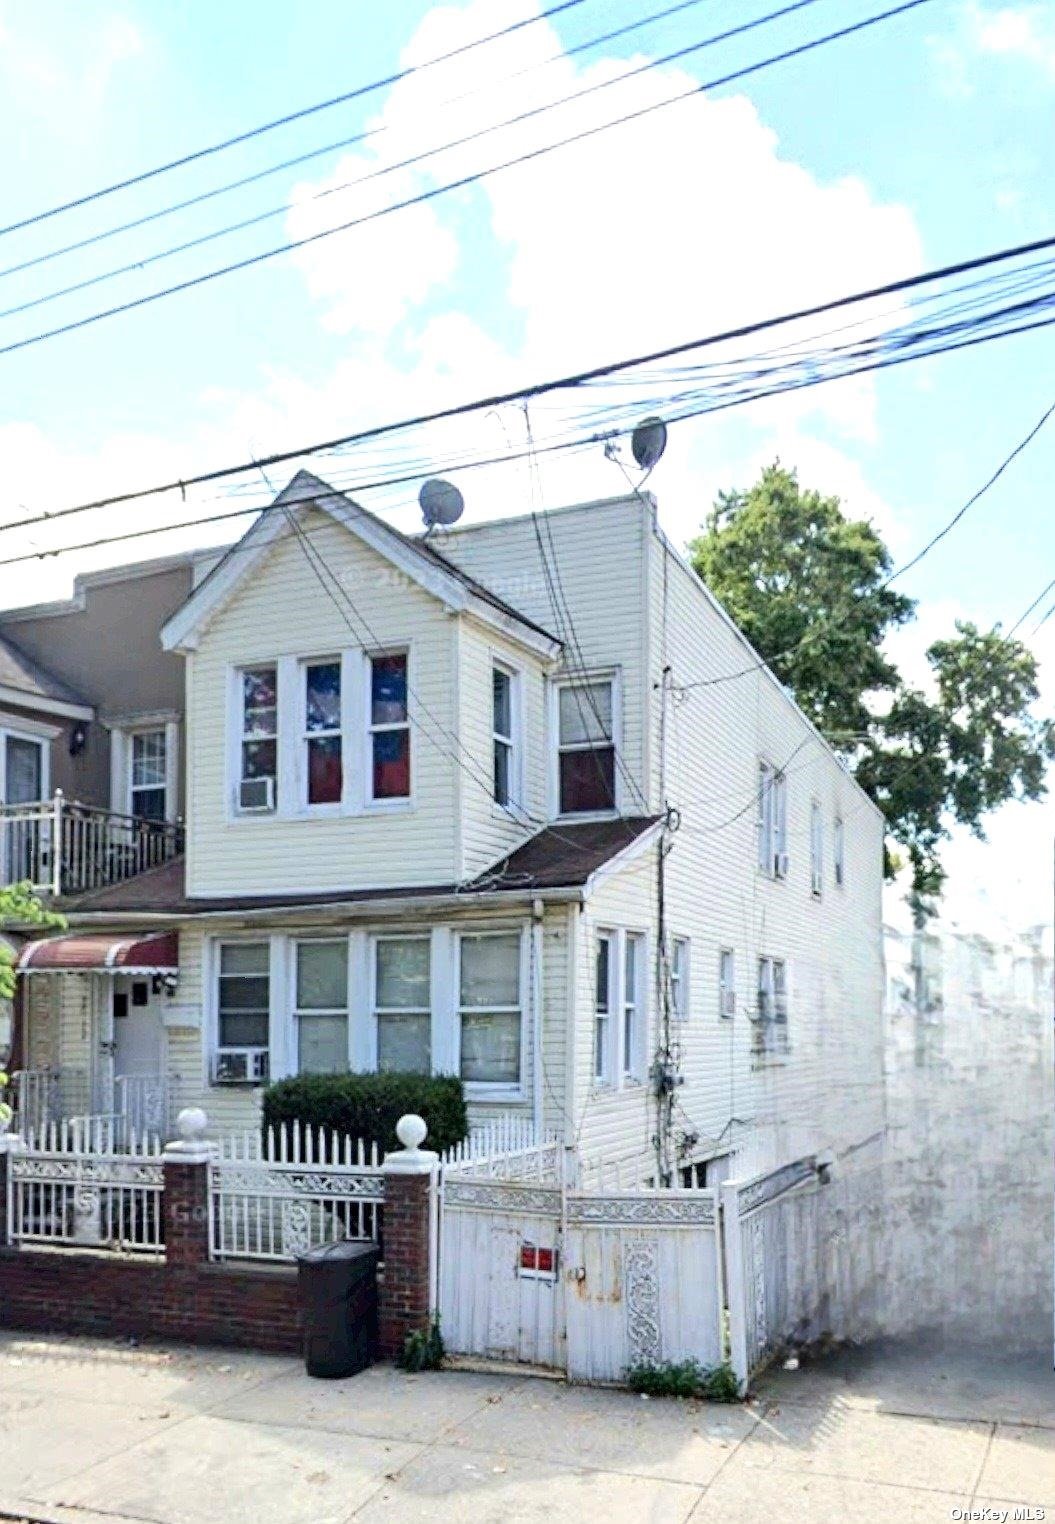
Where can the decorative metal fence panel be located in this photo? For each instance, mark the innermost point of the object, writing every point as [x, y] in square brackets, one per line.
[774, 1262]
[276, 1198]
[87, 1200]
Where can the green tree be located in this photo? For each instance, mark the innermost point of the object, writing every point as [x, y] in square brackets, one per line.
[808, 586]
[19, 908]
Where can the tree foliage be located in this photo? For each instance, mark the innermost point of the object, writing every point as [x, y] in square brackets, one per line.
[20, 908]
[808, 586]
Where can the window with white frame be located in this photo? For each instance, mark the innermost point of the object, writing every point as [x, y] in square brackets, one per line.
[389, 727]
[243, 1000]
[322, 741]
[772, 821]
[258, 744]
[148, 773]
[633, 1003]
[490, 1007]
[772, 1025]
[402, 1004]
[679, 978]
[839, 852]
[503, 699]
[604, 972]
[321, 1006]
[726, 982]
[816, 848]
[586, 759]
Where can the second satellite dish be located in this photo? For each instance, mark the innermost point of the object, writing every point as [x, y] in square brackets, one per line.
[648, 441]
[441, 502]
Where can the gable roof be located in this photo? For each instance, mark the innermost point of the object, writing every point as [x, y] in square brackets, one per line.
[564, 861]
[415, 558]
[23, 681]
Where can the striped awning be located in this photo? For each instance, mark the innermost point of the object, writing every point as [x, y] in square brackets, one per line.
[102, 954]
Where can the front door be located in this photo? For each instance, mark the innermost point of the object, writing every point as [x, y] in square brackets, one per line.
[139, 1054]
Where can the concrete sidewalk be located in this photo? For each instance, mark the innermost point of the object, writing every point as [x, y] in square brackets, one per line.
[93, 1431]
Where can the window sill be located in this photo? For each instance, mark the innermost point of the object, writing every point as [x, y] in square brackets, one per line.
[505, 1095]
[323, 812]
[570, 818]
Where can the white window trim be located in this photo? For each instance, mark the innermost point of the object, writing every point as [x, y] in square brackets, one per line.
[428, 1010]
[772, 822]
[293, 942]
[603, 1080]
[41, 736]
[816, 849]
[280, 1060]
[335, 658]
[121, 762]
[611, 675]
[768, 1025]
[684, 982]
[726, 986]
[515, 804]
[485, 1090]
[623, 1071]
[839, 852]
[235, 732]
[370, 804]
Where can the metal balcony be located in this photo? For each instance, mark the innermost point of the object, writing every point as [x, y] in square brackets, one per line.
[62, 847]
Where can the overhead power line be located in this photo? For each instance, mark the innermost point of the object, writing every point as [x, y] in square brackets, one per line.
[252, 260]
[537, 389]
[283, 121]
[368, 134]
[384, 170]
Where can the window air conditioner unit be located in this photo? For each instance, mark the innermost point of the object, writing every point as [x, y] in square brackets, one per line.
[781, 864]
[256, 796]
[728, 1002]
[240, 1066]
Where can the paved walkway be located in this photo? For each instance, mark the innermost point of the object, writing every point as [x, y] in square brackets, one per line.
[95, 1431]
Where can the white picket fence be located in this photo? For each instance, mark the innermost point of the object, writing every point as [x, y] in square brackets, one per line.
[60, 1192]
[273, 1198]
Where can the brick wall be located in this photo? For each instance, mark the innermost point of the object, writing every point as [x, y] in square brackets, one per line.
[404, 1301]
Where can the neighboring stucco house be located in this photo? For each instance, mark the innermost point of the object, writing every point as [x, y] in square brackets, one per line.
[517, 802]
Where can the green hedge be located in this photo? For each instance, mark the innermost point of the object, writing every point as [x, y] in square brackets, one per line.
[369, 1105]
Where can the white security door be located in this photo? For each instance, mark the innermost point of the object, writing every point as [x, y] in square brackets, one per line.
[137, 1028]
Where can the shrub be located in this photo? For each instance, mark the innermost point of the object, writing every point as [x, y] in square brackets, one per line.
[369, 1105]
[685, 1378]
[422, 1351]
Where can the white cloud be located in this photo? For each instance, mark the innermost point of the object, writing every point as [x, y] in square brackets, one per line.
[1020, 33]
[42, 63]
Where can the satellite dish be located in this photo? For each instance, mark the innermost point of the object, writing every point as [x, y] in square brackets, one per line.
[441, 502]
[648, 441]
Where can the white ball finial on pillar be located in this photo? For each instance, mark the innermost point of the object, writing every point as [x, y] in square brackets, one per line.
[411, 1131]
[192, 1143]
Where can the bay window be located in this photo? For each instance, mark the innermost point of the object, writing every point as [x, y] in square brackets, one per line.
[323, 770]
[586, 762]
[402, 1004]
[489, 1007]
[258, 746]
[321, 1006]
[389, 728]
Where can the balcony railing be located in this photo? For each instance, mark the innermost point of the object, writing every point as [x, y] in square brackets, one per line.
[63, 847]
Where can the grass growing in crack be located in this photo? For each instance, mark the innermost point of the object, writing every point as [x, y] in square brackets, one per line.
[422, 1350]
[685, 1378]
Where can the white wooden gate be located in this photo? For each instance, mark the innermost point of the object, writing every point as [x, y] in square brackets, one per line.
[589, 1283]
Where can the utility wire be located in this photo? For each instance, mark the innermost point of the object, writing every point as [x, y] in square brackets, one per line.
[284, 121]
[562, 383]
[366, 135]
[384, 170]
[252, 260]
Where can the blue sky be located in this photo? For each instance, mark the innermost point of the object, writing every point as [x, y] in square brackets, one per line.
[919, 142]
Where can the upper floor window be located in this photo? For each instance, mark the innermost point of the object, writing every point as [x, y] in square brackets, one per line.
[633, 1004]
[389, 727]
[258, 748]
[502, 691]
[840, 853]
[586, 746]
[489, 1007]
[679, 978]
[402, 1004]
[602, 1020]
[321, 1006]
[323, 743]
[772, 821]
[816, 848]
[772, 1026]
[148, 780]
[243, 1011]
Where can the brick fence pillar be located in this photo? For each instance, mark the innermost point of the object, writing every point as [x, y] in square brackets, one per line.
[186, 1196]
[406, 1302]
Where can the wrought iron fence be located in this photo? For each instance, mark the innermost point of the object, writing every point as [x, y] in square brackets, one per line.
[90, 1199]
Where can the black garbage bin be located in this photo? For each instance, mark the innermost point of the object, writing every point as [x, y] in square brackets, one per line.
[338, 1297]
